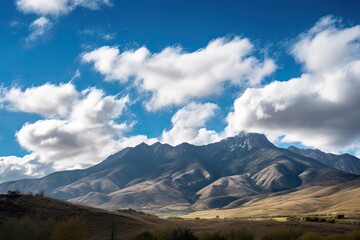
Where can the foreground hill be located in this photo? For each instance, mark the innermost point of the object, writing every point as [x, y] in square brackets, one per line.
[100, 223]
[162, 178]
[35, 217]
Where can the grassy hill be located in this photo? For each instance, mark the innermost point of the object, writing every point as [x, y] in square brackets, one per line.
[100, 224]
[341, 198]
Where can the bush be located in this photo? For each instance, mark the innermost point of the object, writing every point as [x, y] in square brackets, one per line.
[354, 235]
[311, 236]
[13, 192]
[39, 194]
[25, 229]
[242, 234]
[147, 235]
[212, 236]
[168, 233]
[180, 234]
[177, 233]
[71, 229]
[335, 237]
[283, 234]
[175, 218]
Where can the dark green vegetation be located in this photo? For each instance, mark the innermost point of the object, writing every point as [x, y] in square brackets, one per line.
[76, 228]
[37, 217]
[242, 234]
[73, 228]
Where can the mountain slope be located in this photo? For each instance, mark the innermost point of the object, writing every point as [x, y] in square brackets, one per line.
[343, 162]
[187, 177]
[340, 198]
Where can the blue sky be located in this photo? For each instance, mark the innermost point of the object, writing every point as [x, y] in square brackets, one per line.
[204, 70]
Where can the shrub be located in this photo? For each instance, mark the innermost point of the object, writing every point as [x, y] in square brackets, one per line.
[39, 194]
[24, 229]
[283, 234]
[241, 234]
[13, 192]
[177, 233]
[71, 229]
[147, 235]
[212, 236]
[354, 235]
[335, 237]
[311, 236]
[175, 218]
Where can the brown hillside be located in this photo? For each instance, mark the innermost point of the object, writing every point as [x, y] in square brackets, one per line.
[100, 222]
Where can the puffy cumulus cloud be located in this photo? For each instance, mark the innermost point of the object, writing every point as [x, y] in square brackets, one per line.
[39, 28]
[14, 168]
[59, 99]
[79, 129]
[320, 108]
[86, 135]
[188, 125]
[96, 108]
[174, 76]
[57, 7]
[326, 46]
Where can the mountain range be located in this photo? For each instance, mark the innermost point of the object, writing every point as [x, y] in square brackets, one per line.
[187, 178]
[343, 162]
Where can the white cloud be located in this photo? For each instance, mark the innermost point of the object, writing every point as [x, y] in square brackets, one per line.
[96, 108]
[188, 125]
[14, 168]
[319, 109]
[325, 46]
[51, 9]
[109, 36]
[39, 28]
[174, 76]
[43, 7]
[76, 75]
[57, 7]
[96, 34]
[85, 136]
[80, 128]
[47, 100]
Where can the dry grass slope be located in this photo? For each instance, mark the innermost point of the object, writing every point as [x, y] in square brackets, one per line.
[100, 223]
[342, 198]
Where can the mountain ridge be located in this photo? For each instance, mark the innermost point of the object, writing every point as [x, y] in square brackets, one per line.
[187, 177]
[344, 162]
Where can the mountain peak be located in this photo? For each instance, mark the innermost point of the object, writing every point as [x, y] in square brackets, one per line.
[248, 141]
[142, 146]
